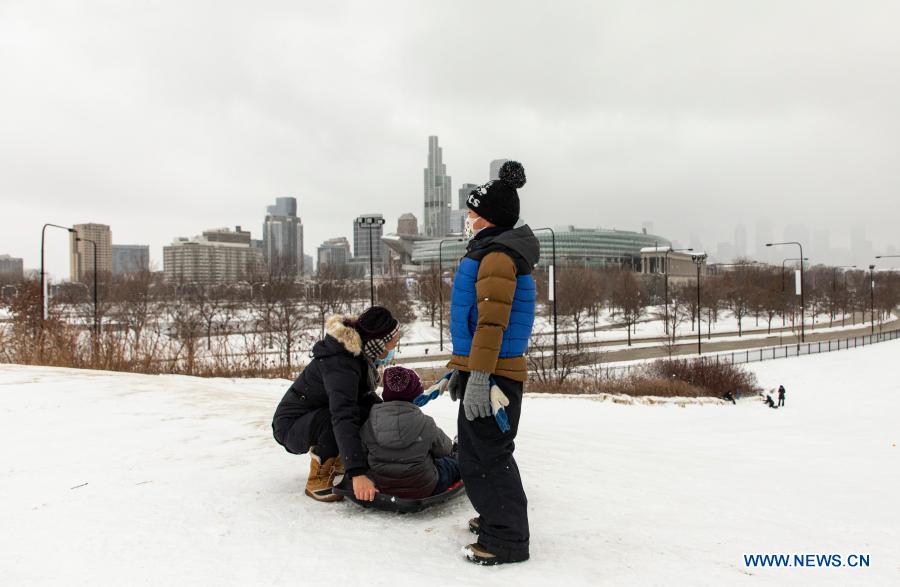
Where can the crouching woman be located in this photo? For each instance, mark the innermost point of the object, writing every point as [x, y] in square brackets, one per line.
[324, 409]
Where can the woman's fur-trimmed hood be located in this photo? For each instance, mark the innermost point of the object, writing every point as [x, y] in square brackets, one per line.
[347, 336]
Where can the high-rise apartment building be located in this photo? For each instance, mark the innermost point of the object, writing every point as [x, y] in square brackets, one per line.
[437, 192]
[127, 259]
[11, 269]
[283, 236]
[81, 256]
[218, 256]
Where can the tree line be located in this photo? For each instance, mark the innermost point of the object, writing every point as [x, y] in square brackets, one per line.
[266, 324]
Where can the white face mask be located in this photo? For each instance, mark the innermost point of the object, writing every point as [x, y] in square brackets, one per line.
[470, 227]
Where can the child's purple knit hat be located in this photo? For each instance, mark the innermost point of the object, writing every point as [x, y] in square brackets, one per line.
[400, 383]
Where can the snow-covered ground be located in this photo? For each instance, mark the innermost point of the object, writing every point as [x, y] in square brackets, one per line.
[132, 479]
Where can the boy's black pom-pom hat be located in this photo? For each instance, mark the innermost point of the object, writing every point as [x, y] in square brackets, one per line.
[513, 174]
[497, 201]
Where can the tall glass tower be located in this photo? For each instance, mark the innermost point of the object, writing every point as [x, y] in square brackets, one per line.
[283, 237]
[436, 218]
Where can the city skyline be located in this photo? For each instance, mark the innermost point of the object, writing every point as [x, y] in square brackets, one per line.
[693, 131]
[849, 246]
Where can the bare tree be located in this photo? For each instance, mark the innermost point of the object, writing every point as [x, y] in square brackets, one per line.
[628, 297]
[429, 290]
[393, 294]
[578, 292]
[540, 360]
[185, 327]
[330, 292]
[737, 296]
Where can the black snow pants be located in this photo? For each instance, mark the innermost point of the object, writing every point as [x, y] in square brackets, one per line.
[491, 475]
[298, 434]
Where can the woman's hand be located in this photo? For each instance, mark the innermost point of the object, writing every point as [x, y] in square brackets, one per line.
[364, 488]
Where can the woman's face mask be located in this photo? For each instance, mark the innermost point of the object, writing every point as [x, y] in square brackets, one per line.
[387, 358]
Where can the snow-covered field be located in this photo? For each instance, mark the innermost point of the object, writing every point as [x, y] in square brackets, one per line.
[130, 479]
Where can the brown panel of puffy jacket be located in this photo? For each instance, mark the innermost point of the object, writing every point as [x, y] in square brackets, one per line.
[495, 288]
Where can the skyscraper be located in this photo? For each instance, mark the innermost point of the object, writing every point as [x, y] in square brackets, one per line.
[283, 236]
[496, 164]
[437, 192]
[361, 235]
[81, 257]
[464, 194]
[334, 253]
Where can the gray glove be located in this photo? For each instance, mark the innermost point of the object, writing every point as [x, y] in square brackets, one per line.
[453, 385]
[448, 382]
[477, 401]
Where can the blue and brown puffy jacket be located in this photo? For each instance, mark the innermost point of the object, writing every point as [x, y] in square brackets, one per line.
[493, 301]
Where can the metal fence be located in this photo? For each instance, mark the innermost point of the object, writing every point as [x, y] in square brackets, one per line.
[809, 348]
[757, 355]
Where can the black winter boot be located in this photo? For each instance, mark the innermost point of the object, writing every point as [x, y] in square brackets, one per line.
[480, 555]
[475, 525]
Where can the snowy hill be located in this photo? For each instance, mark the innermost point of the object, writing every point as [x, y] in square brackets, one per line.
[130, 479]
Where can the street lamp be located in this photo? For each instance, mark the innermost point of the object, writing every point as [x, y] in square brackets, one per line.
[802, 288]
[698, 261]
[782, 268]
[44, 296]
[872, 298]
[96, 325]
[552, 289]
[370, 222]
[666, 268]
[873, 278]
[441, 288]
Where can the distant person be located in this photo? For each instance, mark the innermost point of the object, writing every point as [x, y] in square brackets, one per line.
[729, 397]
[408, 455]
[770, 402]
[780, 395]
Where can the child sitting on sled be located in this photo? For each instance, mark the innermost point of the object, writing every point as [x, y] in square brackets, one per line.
[409, 456]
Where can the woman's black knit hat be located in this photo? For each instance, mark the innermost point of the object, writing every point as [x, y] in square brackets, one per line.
[376, 328]
[376, 323]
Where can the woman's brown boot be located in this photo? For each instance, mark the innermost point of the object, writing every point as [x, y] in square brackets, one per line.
[321, 478]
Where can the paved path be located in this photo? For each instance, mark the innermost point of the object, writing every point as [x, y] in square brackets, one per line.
[687, 344]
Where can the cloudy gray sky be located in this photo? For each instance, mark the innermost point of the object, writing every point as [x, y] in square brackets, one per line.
[166, 118]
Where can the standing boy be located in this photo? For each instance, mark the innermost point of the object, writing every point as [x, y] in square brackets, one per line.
[491, 317]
